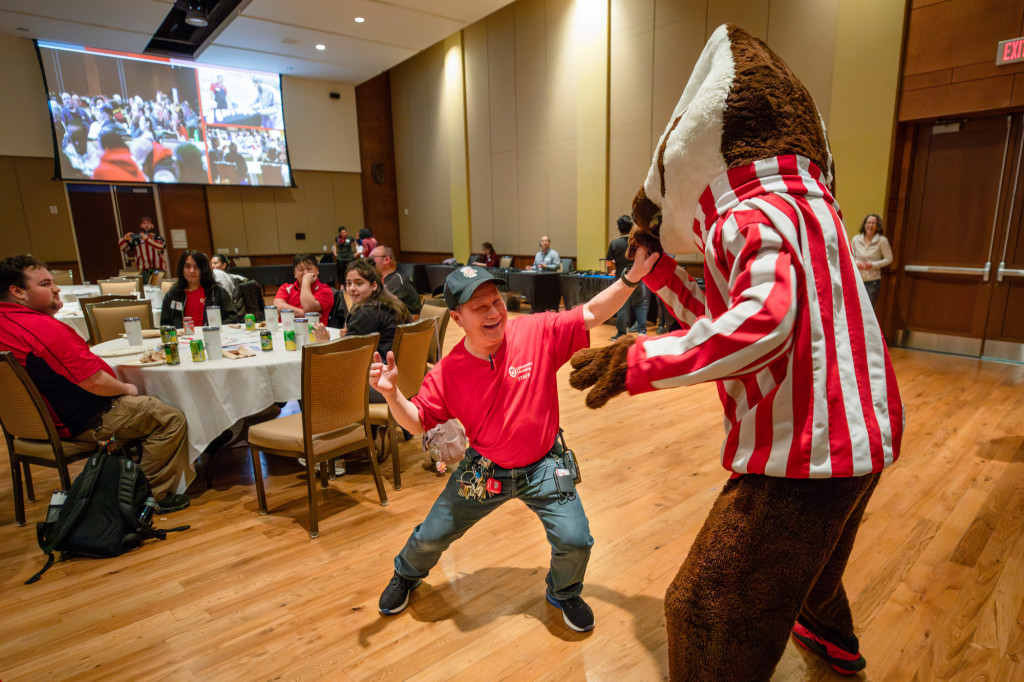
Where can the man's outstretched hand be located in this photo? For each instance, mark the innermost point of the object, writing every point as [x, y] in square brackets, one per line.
[604, 369]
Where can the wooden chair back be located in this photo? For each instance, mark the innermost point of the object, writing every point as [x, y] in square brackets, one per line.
[157, 278]
[105, 321]
[505, 262]
[335, 390]
[439, 313]
[121, 285]
[166, 285]
[411, 347]
[25, 416]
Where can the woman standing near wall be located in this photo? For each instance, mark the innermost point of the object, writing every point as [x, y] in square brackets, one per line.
[872, 252]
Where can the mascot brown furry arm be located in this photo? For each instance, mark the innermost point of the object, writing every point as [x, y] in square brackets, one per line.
[743, 174]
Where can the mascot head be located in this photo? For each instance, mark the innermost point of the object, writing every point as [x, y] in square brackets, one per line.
[742, 104]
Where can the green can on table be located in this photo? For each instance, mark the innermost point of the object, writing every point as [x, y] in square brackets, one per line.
[250, 322]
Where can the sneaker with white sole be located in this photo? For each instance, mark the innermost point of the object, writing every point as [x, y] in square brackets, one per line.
[395, 596]
[575, 612]
[339, 466]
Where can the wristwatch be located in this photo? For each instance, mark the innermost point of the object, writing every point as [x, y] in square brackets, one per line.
[625, 280]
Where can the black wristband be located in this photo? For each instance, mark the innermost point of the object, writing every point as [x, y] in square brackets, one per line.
[631, 285]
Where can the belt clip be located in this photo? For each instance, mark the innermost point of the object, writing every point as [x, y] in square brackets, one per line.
[485, 463]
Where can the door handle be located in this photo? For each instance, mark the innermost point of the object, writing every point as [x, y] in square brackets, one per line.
[1003, 271]
[948, 270]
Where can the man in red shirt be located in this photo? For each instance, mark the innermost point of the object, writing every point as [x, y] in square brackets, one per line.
[306, 294]
[80, 389]
[499, 381]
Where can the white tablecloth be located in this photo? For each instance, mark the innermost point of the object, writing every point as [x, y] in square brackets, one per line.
[71, 313]
[215, 394]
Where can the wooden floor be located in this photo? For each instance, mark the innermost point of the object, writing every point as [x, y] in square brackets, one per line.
[936, 579]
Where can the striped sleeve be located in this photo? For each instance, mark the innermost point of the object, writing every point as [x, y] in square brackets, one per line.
[755, 326]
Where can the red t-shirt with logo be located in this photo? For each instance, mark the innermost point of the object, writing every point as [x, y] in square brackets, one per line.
[510, 411]
[195, 306]
[291, 294]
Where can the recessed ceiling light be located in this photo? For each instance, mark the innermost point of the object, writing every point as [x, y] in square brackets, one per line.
[360, 20]
[321, 46]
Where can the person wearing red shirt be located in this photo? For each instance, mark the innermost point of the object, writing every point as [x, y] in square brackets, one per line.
[306, 294]
[499, 381]
[80, 389]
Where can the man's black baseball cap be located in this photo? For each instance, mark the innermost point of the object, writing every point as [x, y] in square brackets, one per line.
[462, 282]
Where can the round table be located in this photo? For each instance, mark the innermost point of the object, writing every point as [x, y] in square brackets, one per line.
[217, 393]
[71, 312]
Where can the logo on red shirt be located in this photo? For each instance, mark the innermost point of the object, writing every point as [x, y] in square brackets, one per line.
[521, 372]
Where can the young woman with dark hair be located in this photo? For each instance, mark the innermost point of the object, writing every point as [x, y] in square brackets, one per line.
[195, 291]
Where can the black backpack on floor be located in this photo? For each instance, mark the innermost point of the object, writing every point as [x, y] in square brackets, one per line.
[100, 517]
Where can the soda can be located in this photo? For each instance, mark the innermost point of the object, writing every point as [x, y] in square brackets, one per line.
[312, 319]
[188, 326]
[250, 322]
[266, 340]
[168, 334]
[198, 350]
[171, 353]
[289, 339]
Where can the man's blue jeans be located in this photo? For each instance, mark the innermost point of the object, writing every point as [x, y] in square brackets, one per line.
[638, 301]
[565, 523]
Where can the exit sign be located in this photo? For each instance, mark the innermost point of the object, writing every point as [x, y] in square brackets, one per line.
[1010, 51]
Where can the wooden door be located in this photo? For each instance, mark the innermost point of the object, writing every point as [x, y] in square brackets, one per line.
[960, 184]
[96, 230]
[1004, 333]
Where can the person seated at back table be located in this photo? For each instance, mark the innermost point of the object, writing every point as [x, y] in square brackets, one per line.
[219, 263]
[547, 259]
[489, 259]
[307, 294]
[194, 292]
[383, 257]
[80, 389]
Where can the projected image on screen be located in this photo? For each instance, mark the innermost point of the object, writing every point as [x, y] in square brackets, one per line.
[129, 118]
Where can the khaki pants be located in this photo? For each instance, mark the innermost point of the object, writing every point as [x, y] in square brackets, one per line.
[161, 430]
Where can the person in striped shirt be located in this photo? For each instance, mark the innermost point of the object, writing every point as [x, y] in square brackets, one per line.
[150, 249]
[813, 414]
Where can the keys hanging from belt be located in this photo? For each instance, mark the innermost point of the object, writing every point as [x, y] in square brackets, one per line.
[477, 483]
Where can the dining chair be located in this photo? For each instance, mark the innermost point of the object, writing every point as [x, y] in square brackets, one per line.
[121, 285]
[411, 345]
[505, 262]
[334, 420]
[63, 277]
[166, 285]
[242, 261]
[105, 321]
[439, 313]
[157, 278]
[30, 433]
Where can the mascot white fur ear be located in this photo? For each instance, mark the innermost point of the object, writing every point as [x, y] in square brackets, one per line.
[689, 152]
[741, 104]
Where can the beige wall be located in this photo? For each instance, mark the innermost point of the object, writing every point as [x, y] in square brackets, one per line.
[34, 210]
[523, 98]
[263, 220]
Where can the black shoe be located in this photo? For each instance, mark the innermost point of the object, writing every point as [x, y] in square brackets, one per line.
[618, 336]
[633, 328]
[662, 330]
[575, 612]
[173, 503]
[395, 596]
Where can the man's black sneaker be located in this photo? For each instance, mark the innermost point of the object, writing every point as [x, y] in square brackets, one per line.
[842, 657]
[395, 596]
[575, 612]
[173, 503]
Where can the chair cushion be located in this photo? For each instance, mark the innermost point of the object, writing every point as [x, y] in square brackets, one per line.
[286, 434]
[42, 449]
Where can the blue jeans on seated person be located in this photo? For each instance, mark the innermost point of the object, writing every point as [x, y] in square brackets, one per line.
[638, 301]
[565, 523]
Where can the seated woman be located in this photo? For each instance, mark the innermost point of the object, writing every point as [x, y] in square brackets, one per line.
[194, 292]
[490, 258]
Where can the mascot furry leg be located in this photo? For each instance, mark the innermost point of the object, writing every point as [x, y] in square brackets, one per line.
[743, 174]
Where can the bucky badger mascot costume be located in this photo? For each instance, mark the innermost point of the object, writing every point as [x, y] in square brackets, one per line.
[743, 173]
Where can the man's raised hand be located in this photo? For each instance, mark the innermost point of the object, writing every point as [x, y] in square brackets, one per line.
[384, 378]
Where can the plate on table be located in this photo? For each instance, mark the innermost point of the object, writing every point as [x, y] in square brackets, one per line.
[119, 352]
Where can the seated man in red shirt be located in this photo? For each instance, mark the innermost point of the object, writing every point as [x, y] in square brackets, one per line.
[499, 381]
[80, 388]
[306, 294]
